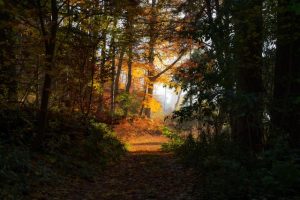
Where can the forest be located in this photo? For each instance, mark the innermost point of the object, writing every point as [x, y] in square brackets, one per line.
[150, 99]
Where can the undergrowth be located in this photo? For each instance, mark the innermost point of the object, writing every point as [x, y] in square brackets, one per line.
[175, 140]
[227, 172]
[73, 147]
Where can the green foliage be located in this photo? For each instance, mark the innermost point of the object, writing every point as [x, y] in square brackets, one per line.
[102, 143]
[211, 105]
[175, 140]
[73, 146]
[127, 102]
[124, 99]
[14, 169]
[16, 125]
[227, 172]
[84, 148]
[220, 92]
[295, 7]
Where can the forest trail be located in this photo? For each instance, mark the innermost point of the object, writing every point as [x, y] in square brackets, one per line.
[141, 176]
[144, 173]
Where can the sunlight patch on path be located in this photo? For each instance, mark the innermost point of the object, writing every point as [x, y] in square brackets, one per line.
[146, 143]
[141, 134]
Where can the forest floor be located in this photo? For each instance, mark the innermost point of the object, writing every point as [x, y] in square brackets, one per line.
[140, 176]
[144, 173]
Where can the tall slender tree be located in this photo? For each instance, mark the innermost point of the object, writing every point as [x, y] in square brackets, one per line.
[248, 54]
[286, 104]
[49, 29]
[8, 82]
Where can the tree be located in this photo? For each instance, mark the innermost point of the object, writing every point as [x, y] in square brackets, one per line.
[286, 104]
[160, 29]
[49, 30]
[8, 76]
[248, 53]
[225, 79]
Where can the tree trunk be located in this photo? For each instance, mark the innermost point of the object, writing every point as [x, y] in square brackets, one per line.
[113, 70]
[119, 69]
[152, 41]
[92, 65]
[129, 75]
[102, 73]
[50, 45]
[129, 72]
[144, 98]
[248, 51]
[149, 95]
[8, 73]
[286, 104]
[178, 100]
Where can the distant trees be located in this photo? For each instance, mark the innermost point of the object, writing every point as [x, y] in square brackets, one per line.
[161, 25]
[103, 58]
[86, 56]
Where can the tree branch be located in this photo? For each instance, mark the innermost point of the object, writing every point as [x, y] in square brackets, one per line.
[183, 51]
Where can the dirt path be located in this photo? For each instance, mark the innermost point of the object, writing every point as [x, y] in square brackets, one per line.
[142, 176]
[145, 173]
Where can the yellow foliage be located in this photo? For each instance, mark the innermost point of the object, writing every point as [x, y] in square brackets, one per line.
[210, 66]
[96, 86]
[122, 85]
[138, 73]
[164, 79]
[76, 1]
[153, 104]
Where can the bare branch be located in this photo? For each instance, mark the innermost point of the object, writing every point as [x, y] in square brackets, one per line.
[182, 53]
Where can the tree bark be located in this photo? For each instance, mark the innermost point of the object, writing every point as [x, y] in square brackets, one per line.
[119, 69]
[8, 72]
[129, 72]
[129, 75]
[286, 104]
[113, 71]
[92, 65]
[152, 41]
[248, 53]
[50, 45]
[178, 100]
[102, 73]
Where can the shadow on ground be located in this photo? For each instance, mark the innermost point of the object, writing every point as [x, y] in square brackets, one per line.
[142, 176]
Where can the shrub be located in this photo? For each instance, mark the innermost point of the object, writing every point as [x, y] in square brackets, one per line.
[73, 146]
[175, 140]
[102, 143]
[227, 172]
[14, 169]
